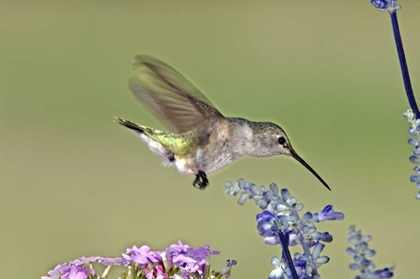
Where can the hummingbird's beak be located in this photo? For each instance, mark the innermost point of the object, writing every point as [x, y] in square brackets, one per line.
[300, 160]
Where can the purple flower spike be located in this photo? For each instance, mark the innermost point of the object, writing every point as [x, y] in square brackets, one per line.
[362, 255]
[280, 223]
[415, 126]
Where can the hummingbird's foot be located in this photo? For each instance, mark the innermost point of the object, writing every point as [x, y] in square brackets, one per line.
[201, 180]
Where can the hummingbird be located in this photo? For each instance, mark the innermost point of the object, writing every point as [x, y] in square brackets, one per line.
[202, 139]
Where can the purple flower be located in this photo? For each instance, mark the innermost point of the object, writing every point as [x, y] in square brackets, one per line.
[77, 272]
[191, 260]
[178, 249]
[107, 261]
[188, 264]
[83, 260]
[71, 271]
[227, 270]
[201, 253]
[56, 272]
[141, 255]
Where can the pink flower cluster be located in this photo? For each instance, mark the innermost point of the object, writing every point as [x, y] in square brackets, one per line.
[179, 261]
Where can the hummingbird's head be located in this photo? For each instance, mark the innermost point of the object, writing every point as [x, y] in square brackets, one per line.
[269, 139]
[264, 139]
[272, 140]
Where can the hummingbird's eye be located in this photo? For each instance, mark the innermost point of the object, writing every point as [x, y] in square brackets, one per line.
[281, 140]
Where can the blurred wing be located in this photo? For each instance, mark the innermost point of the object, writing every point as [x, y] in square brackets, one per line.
[169, 95]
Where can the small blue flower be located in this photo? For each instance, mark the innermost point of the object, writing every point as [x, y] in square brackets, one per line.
[382, 5]
[415, 178]
[267, 225]
[328, 214]
[412, 141]
[319, 260]
[279, 269]
[414, 159]
[384, 273]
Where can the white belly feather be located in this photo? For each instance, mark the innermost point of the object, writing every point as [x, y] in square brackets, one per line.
[156, 148]
[182, 164]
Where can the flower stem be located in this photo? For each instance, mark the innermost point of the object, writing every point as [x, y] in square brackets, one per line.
[403, 64]
[286, 254]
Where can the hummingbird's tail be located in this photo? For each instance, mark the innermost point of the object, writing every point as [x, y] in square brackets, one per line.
[130, 125]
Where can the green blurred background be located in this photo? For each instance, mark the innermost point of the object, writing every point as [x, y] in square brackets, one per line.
[74, 183]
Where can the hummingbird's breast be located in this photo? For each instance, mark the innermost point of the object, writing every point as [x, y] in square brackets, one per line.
[219, 144]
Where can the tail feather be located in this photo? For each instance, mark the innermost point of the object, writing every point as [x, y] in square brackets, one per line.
[130, 125]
